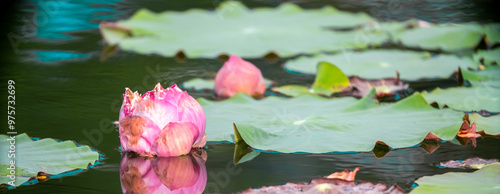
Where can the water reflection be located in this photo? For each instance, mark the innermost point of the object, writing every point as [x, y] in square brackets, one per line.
[183, 174]
[54, 18]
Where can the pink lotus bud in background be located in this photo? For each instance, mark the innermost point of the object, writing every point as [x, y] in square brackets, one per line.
[162, 122]
[182, 174]
[238, 75]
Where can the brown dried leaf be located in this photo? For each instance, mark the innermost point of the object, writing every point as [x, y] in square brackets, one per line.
[344, 175]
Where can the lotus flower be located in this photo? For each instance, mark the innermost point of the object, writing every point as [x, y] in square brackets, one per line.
[182, 174]
[238, 75]
[163, 122]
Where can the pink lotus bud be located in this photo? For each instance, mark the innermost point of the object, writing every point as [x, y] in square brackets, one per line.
[162, 122]
[238, 75]
[183, 174]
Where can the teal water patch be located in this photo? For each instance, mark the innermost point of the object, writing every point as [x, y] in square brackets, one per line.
[56, 56]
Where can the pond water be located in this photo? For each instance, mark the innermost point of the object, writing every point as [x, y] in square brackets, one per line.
[52, 49]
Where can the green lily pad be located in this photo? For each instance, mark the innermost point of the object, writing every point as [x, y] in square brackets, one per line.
[447, 37]
[234, 29]
[492, 33]
[45, 155]
[490, 57]
[330, 79]
[208, 84]
[380, 64]
[292, 90]
[314, 124]
[466, 98]
[487, 124]
[485, 180]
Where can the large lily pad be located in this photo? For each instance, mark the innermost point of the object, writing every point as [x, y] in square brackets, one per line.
[485, 180]
[380, 64]
[317, 125]
[489, 57]
[447, 37]
[466, 98]
[46, 155]
[234, 29]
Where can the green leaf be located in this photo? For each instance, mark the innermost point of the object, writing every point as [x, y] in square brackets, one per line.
[487, 124]
[292, 90]
[317, 125]
[447, 37]
[208, 84]
[199, 84]
[380, 64]
[492, 33]
[45, 155]
[286, 30]
[490, 57]
[466, 98]
[329, 79]
[485, 180]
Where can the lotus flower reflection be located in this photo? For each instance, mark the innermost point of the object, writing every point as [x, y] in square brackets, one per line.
[182, 174]
[162, 122]
[238, 75]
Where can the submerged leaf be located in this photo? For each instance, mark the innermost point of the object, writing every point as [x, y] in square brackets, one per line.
[326, 185]
[474, 163]
[317, 125]
[232, 28]
[47, 155]
[485, 180]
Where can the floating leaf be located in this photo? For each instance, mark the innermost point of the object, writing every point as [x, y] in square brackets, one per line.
[485, 180]
[292, 90]
[488, 125]
[46, 155]
[329, 79]
[466, 98]
[317, 125]
[234, 29]
[492, 33]
[474, 163]
[379, 64]
[447, 37]
[489, 57]
[344, 175]
[208, 84]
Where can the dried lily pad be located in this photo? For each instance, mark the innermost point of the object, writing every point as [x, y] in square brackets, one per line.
[232, 28]
[325, 185]
[473, 163]
[379, 64]
[311, 123]
[485, 180]
[466, 98]
[46, 156]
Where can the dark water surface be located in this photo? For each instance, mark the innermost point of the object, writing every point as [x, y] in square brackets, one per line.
[51, 49]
